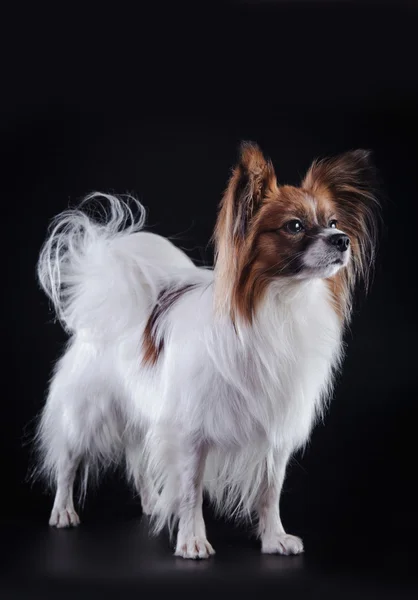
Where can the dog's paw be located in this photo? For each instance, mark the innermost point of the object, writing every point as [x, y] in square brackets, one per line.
[283, 543]
[64, 517]
[195, 547]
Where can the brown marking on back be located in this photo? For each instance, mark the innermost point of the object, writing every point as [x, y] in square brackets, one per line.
[152, 347]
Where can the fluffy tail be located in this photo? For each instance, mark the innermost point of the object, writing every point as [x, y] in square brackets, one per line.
[99, 269]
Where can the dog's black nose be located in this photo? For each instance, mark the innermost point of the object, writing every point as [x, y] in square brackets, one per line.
[340, 240]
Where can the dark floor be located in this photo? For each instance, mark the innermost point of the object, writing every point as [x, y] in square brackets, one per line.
[102, 558]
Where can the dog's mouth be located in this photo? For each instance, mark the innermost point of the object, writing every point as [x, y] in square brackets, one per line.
[323, 269]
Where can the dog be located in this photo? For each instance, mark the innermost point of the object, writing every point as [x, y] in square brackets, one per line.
[204, 380]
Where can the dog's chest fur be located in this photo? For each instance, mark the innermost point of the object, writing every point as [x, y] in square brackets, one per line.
[273, 379]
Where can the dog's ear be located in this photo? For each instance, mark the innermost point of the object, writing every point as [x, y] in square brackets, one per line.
[350, 182]
[349, 177]
[252, 180]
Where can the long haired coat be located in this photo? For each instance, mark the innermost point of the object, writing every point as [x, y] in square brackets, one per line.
[204, 380]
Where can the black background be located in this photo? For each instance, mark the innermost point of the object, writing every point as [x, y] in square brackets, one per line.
[155, 103]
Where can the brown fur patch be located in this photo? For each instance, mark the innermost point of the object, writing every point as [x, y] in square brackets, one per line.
[166, 299]
[252, 180]
[337, 285]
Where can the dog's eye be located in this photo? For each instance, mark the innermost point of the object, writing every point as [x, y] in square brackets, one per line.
[294, 226]
[333, 224]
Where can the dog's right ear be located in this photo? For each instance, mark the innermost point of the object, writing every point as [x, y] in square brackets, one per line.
[253, 178]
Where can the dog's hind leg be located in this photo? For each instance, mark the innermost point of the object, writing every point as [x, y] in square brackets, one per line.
[80, 423]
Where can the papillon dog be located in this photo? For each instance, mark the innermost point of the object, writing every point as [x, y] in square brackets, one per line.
[203, 380]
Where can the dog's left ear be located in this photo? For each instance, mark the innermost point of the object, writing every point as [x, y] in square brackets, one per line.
[349, 177]
[350, 182]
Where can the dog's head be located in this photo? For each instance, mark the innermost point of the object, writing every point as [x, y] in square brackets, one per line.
[266, 230]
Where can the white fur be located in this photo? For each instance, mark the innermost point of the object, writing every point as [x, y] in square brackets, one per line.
[223, 408]
[319, 257]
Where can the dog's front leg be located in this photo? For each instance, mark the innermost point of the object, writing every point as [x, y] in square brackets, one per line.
[191, 537]
[274, 539]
